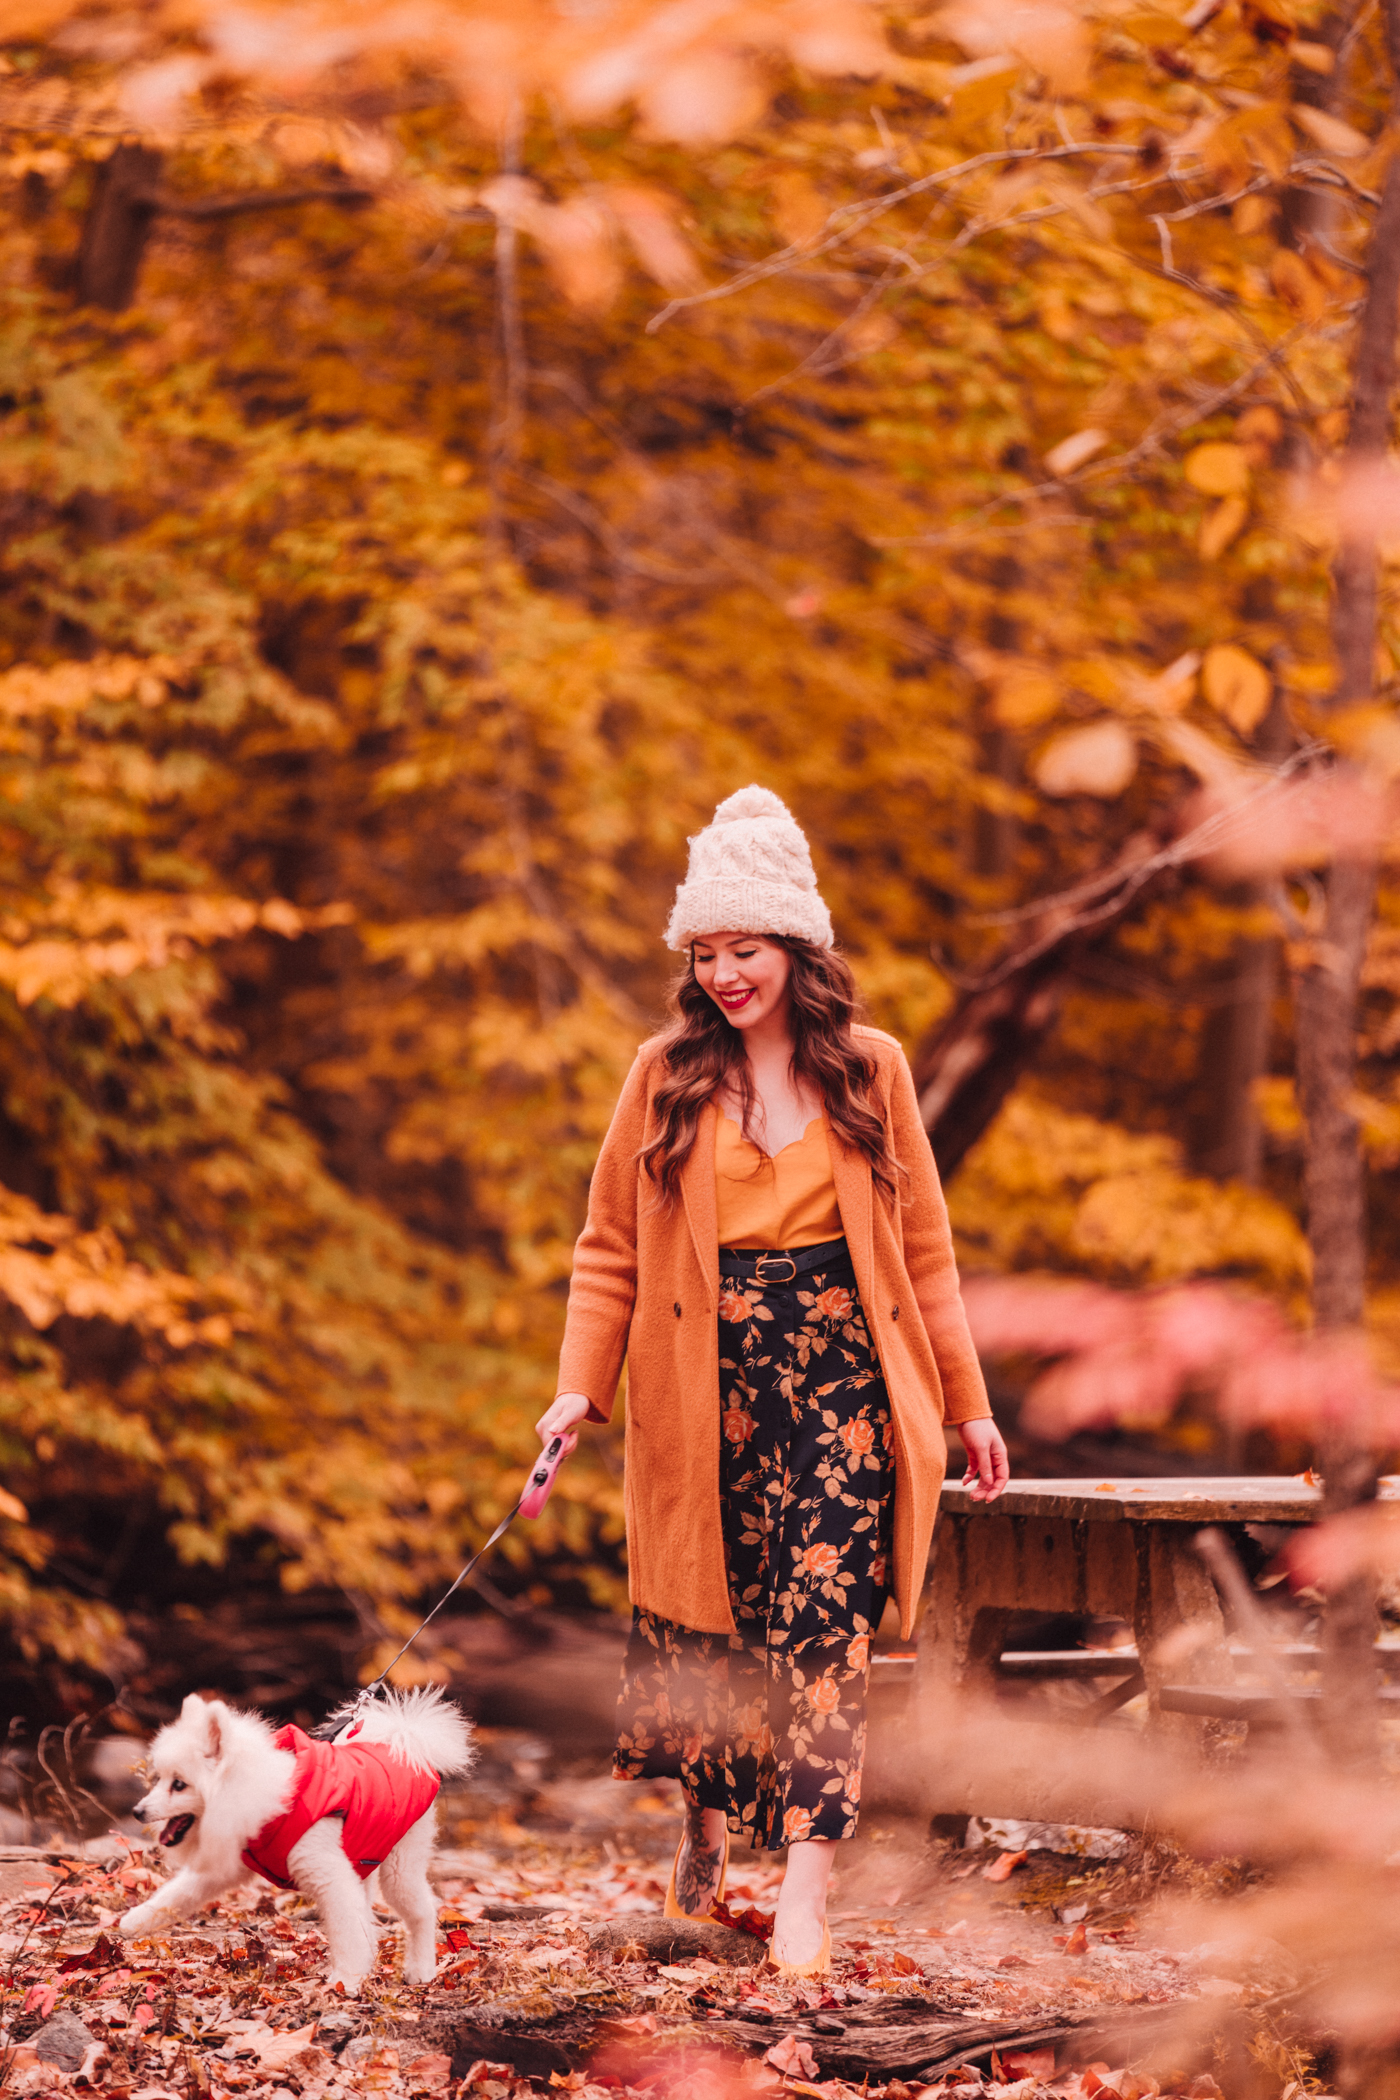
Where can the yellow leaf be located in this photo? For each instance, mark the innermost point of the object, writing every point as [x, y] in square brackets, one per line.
[1056, 317]
[1314, 58]
[1260, 426]
[13, 1508]
[1218, 470]
[1222, 526]
[1098, 760]
[1025, 696]
[1168, 692]
[1237, 686]
[1208, 760]
[1370, 734]
[1342, 140]
[1297, 285]
[1252, 214]
[1072, 452]
[800, 211]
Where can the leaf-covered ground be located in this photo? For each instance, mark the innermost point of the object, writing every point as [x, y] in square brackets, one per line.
[546, 1980]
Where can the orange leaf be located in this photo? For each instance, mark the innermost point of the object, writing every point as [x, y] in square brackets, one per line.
[1003, 1868]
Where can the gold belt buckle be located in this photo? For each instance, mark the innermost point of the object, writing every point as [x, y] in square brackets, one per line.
[762, 1263]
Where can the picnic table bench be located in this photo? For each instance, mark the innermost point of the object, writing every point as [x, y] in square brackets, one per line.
[1108, 1549]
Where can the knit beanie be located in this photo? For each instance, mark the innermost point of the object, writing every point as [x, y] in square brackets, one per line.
[750, 872]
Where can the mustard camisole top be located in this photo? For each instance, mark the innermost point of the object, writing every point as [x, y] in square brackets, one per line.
[786, 1201]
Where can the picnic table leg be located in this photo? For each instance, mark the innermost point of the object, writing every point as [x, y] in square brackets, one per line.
[1179, 1626]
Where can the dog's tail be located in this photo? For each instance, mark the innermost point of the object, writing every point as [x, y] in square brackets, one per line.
[422, 1726]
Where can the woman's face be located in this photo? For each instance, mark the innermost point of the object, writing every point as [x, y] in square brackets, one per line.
[745, 974]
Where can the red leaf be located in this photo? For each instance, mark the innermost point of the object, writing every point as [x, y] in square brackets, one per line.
[1003, 1868]
[1078, 1941]
[793, 2055]
[457, 1939]
[1029, 2063]
[102, 1954]
[41, 1998]
[758, 1923]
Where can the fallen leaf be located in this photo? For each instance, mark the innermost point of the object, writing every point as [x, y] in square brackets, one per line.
[275, 2051]
[792, 2054]
[431, 2073]
[1078, 1940]
[1004, 1866]
[1030, 2063]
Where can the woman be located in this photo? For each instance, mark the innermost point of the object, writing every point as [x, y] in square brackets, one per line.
[768, 1245]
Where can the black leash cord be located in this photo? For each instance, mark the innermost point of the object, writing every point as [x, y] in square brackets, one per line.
[501, 1529]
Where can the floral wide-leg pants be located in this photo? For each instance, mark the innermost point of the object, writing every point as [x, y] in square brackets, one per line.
[768, 1723]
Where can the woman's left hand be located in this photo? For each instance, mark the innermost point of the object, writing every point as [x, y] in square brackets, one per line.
[988, 1466]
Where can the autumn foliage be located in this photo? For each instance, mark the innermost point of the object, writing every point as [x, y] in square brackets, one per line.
[500, 435]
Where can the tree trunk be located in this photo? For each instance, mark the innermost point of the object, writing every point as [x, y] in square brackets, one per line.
[1226, 1138]
[965, 1068]
[117, 227]
[1226, 1135]
[1327, 985]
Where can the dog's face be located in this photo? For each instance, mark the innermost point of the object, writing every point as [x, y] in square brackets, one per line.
[185, 1758]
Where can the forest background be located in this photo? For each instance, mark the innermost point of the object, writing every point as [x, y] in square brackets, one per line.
[444, 453]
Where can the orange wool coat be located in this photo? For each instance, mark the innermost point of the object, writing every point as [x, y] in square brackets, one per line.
[646, 1285]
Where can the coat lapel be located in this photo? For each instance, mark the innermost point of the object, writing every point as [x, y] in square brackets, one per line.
[698, 1197]
[854, 1190]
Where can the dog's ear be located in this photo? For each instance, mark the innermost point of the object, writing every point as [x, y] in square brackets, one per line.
[218, 1715]
[204, 1716]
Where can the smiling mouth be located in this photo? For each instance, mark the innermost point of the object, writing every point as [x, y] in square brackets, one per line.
[732, 1001]
[176, 1829]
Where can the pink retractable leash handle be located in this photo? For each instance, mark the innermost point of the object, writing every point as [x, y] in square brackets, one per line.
[541, 1480]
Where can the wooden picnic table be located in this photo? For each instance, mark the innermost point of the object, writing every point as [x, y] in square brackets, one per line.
[1114, 1549]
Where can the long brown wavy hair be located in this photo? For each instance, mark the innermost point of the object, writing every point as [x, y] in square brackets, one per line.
[704, 1055]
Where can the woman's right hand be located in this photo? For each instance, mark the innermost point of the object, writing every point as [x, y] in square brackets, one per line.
[559, 1419]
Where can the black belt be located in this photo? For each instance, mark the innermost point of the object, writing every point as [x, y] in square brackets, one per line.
[759, 1262]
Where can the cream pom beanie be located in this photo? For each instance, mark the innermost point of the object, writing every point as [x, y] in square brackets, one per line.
[750, 872]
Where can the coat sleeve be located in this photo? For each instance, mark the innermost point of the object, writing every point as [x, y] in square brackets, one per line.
[928, 1257]
[603, 1286]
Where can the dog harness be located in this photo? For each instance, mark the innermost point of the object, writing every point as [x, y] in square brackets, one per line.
[379, 1795]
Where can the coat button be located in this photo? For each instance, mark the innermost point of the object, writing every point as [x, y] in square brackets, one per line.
[678, 1309]
[894, 1312]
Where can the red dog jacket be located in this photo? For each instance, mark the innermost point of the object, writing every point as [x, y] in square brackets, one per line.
[379, 1795]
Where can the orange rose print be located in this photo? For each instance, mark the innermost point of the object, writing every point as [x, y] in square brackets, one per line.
[834, 1304]
[773, 1713]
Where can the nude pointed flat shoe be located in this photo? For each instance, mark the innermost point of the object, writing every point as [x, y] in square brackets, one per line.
[819, 1965]
[671, 1908]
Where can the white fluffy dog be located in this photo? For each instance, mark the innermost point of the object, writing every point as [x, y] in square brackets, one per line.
[316, 1816]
